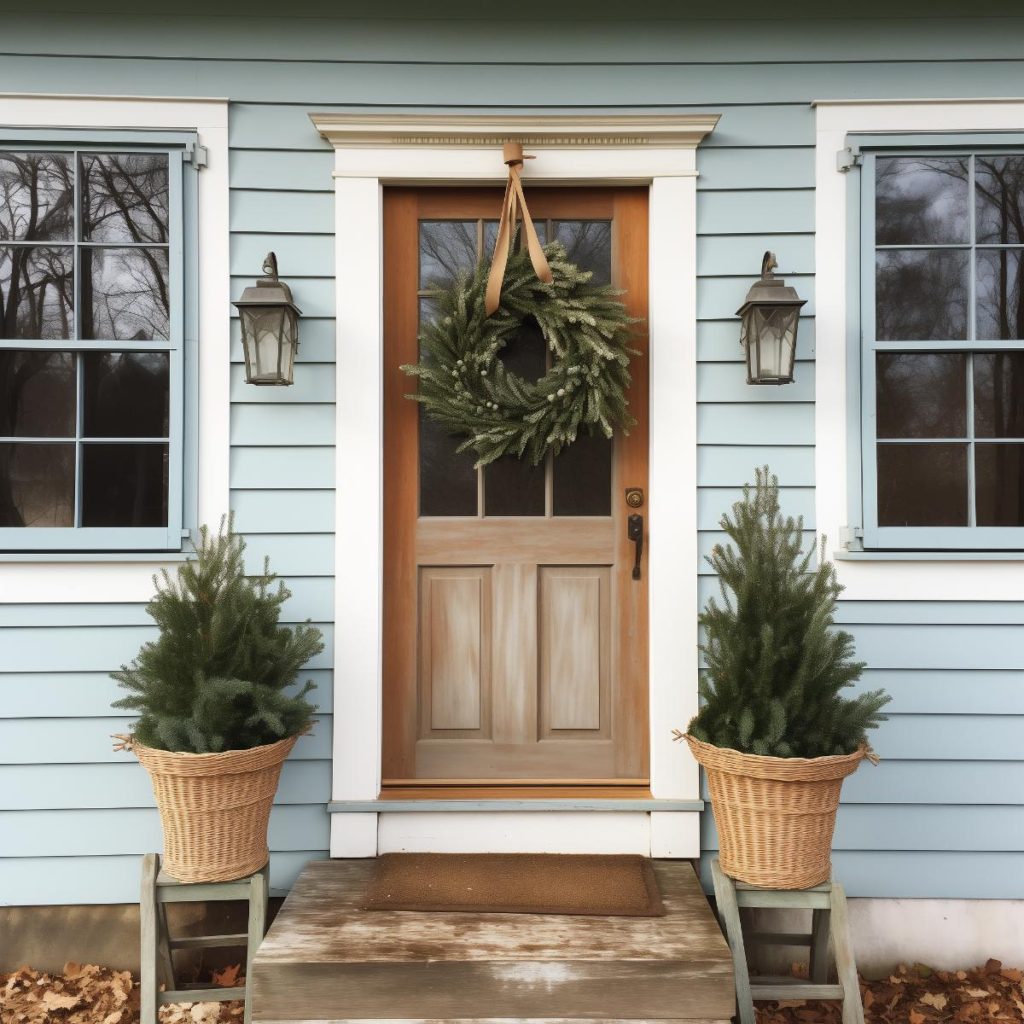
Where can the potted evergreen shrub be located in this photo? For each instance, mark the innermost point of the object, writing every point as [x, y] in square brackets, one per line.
[217, 711]
[775, 733]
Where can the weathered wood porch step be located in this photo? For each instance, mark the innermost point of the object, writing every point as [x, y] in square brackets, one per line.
[326, 961]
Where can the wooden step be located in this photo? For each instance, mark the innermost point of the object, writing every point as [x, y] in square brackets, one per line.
[325, 960]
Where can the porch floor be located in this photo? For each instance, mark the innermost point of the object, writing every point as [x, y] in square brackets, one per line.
[326, 960]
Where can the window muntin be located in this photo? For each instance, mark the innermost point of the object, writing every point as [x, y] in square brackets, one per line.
[943, 349]
[91, 347]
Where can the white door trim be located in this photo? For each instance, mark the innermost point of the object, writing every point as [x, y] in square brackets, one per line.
[372, 151]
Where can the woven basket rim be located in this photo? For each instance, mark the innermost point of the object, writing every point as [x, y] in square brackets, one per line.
[798, 769]
[224, 762]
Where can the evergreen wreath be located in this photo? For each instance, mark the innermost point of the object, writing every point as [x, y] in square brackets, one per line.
[465, 386]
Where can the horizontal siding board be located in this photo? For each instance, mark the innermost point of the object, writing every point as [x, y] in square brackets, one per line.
[729, 255]
[915, 827]
[269, 169]
[769, 423]
[32, 881]
[292, 554]
[756, 169]
[719, 341]
[299, 256]
[82, 786]
[718, 298]
[727, 465]
[283, 511]
[286, 213]
[88, 741]
[727, 382]
[285, 467]
[944, 646]
[927, 613]
[449, 84]
[655, 38]
[90, 694]
[752, 213]
[314, 384]
[289, 423]
[127, 830]
[713, 502]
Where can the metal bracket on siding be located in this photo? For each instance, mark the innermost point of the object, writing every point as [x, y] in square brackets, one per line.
[852, 538]
[196, 155]
[848, 158]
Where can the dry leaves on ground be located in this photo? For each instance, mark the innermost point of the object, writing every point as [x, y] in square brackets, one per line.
[96, 995]
[919, 995]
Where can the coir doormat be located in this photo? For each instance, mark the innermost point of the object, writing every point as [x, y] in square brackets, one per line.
[515, 883]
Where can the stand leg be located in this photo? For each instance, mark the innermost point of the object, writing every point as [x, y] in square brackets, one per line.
[729, 915]
[258, 898]
[148, 951]
[819, 946]
[846, 967]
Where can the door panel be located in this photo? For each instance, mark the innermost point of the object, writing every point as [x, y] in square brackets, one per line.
[515, 638]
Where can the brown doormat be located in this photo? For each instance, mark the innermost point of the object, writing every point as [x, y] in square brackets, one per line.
[515, 883]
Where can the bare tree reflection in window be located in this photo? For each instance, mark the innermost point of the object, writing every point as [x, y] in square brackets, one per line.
[125, 294]
[124, 197]
[36, 197]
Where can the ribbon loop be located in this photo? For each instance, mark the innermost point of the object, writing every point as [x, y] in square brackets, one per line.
[514, 201]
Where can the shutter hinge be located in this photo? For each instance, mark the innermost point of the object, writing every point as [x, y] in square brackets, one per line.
[851, 538]
[848, 158]
[196, 155]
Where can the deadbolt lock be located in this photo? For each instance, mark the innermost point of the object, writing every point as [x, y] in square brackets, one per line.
[634, 497]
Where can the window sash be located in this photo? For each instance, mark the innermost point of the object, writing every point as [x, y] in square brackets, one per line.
[182, 265]
[875, 536]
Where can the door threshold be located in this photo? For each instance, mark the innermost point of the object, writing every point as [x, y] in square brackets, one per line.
[472, 789]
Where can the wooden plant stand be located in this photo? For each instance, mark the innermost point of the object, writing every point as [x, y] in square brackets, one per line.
[829, 919]
[157, 963]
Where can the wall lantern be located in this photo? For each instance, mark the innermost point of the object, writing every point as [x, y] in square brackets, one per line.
[768, 327]
[270, 328]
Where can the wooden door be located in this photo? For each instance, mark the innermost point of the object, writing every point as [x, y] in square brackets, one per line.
[515, 636]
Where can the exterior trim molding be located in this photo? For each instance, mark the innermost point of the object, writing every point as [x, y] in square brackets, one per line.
[494, 804]
[657, 152]
[644, 130]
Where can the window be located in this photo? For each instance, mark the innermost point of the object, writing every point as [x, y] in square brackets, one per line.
[942, 347]
[93, 321]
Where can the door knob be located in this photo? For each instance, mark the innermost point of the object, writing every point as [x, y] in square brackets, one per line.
[635, 532]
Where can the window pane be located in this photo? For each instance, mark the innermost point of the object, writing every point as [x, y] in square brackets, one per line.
[125, 394]
[921, 395]
[999, 394]
[125, 294]
[124, 197]
[37, 394]
[921, 295]
[36, 292]
[999, 483]
[447, 479]
[922, 485]
[491, 234]
[514, 487]
[999, 198]
[921, 200]
[1000, 312]
[124, 485]
[37, 485]
[36, 199]
[446, 248]
[588, 244]
[582, 483]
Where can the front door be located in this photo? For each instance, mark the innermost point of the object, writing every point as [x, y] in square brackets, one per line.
[515, 633]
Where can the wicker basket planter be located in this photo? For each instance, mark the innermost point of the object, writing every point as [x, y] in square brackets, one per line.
[775, 815]
[214, 808]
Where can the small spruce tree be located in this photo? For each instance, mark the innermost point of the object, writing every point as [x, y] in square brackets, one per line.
[775, 664]
[216, 677]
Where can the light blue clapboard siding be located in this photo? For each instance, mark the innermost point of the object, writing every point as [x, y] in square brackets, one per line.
[928, 821]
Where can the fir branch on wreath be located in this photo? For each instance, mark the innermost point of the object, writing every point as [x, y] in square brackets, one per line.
[465, 387]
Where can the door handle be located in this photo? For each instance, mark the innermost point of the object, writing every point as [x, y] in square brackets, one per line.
[635, 532]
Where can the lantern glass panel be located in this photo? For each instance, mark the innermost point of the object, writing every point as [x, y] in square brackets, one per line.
[769, 334]
[269, 333]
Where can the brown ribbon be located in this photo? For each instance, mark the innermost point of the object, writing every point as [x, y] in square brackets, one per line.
[515, 200]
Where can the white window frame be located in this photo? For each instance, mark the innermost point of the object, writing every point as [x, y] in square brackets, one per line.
[880, 575]
[657, 151]
[37, 577]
